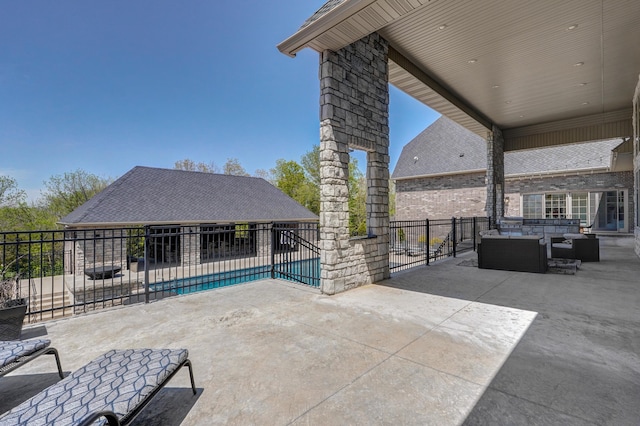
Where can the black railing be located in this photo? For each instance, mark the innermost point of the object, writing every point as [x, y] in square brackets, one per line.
[419, 242]
[296, 256]
[67, 272]
[61, 273]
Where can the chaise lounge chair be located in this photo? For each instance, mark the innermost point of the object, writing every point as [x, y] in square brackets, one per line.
[112, 389]
[16, 353]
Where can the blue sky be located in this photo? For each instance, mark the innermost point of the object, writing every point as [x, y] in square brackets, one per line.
[105, 86]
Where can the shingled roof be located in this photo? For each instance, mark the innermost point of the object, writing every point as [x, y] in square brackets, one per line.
[328, 6]
[146, 195]
[445, 147]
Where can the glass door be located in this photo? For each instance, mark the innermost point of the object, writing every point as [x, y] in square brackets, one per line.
[611, 212]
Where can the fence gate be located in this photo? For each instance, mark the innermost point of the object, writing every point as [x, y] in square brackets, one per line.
[295, 254]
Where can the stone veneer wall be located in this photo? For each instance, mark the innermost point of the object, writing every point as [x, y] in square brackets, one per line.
[636, 162]
[495, 175]
[94, 248]
[354, 114]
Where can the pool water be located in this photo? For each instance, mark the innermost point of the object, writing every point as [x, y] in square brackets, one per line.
[302, 271]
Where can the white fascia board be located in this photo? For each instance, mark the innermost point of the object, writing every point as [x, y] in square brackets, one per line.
[302, 37]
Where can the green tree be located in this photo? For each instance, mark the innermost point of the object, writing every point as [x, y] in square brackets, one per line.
[64, 193]
[289, 177]
[392, 198]
[357, 185]
[10, 194]
[233, 167]
[16, 214]
[311, 165]
[264, 174]
[192, 166]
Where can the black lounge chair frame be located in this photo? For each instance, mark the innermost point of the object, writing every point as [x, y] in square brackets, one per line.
[86, 396]
[112, 418]
[22, 360]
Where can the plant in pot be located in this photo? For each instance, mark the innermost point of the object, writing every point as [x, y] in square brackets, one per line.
[13, 308]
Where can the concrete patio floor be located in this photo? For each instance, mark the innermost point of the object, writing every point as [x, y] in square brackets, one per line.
[444, 344]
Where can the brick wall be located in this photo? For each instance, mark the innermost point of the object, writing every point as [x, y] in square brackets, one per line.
[441, 197]
[465, 195]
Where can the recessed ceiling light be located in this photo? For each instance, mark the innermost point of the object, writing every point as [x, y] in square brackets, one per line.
[578, 64]
[572, 27]
[522, 116]
[507, 102]
[495, 86]
[585, 103]
[442, 27]
[582, 84]
[472, 61]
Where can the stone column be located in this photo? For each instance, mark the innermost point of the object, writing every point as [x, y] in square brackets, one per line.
[495, 174]
[636, 165]
[354, 114]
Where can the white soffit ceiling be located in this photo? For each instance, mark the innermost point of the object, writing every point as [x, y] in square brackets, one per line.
[528, 66]
[523, 62]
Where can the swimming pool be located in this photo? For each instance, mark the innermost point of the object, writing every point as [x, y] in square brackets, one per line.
[301, 271]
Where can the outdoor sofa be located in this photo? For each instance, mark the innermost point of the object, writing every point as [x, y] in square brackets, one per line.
[584, 247]
[16, 353]
[523, 253]
[112, 389]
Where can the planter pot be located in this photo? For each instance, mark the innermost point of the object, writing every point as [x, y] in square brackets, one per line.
[11, 320]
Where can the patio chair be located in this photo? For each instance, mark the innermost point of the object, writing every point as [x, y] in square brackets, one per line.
[16, 353]
[584, 247]
[112, 389]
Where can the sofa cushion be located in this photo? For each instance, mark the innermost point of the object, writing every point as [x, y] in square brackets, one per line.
[496, 237]
[562, 246]
[575, 236]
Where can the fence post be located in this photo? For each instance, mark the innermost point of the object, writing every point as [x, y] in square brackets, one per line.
[428, 241]
[453, 234]
[475, 231]
[147, 234]
[273, 250]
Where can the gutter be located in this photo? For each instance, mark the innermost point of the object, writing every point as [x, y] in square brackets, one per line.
[209, 222]
[326, 22]
[458, 172]
[513, 175]
[559, 173]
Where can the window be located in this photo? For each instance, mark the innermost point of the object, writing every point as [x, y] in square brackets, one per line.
[556, 206]
[579, 207]
[532, 206]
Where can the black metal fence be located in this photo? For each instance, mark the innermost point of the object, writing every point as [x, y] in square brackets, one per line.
[418, 242]
[65, 272]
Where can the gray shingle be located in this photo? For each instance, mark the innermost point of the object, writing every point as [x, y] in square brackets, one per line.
[328, 6]
[445, 147]
[146, 195]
